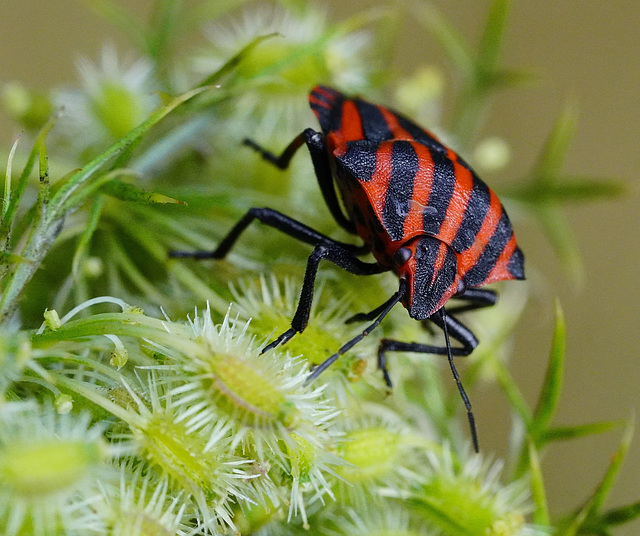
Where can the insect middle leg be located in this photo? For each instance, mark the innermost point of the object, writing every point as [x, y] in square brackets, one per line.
[274, 219]
[476, 298]
[341, 254]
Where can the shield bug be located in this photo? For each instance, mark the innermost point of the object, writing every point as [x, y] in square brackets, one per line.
[419, 209]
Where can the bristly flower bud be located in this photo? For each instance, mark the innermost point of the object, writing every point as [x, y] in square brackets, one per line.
[196, 459]
[261, 399]
[466, 498]
[49, 464]
[143, 504]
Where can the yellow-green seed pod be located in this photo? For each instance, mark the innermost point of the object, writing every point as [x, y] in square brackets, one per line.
[370, 452]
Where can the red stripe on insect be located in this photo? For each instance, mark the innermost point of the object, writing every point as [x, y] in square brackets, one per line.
[452, 155]
[422, 187]
[398, 132]
[330, 94]
[378, 186]
[318, 102]
[500, 270]
[469, 257]
[351, 122]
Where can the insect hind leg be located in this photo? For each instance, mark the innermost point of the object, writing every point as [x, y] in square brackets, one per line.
[321, 165]
[283, 160]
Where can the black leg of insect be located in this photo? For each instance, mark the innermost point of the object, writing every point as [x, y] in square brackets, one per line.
[270, 217]
[343, 255]
[476, 298]
[316, 145]
[381, 312]
[451, 327]
[340, 256]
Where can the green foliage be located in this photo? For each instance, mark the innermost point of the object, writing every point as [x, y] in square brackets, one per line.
[548, 189]
[135, 422]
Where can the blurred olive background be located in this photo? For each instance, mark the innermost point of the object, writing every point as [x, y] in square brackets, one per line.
[586, 50]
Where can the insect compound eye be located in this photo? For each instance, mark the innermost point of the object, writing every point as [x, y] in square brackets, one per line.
[402, 256]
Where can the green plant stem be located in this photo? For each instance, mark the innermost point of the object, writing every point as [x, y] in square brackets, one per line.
[95, 397]
[71, 193]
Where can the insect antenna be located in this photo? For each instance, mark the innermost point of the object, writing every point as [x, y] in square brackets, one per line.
[456, 377]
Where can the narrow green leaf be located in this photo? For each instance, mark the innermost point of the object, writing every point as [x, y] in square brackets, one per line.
[44, 185]
[94, 187]
[552, 385]
[621, 515]
[23, 180]
[494, 29]
[564, 433]
[130, 192]
[161, 153]
[121, 18]
[538, 494]
[119, 324]
[6, 199]
[571, 526]
[571, 189]
[554, 151]
[612, 472]
[85, 238]
[449, 38]
[588, 516]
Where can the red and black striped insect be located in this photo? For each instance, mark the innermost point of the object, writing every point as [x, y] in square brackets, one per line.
[420, 210]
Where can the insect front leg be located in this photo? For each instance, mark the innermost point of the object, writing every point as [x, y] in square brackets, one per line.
[451, 327]
[341, 254]
[382, 311]
[456, 329]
